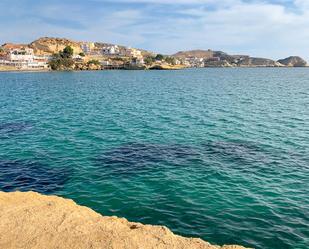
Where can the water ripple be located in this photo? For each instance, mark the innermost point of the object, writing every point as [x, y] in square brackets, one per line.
[29, 175]
[221, 154]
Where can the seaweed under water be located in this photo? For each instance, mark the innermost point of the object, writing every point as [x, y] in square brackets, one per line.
[25, 175]
[139, 157]
[10, 128]
[135, 158]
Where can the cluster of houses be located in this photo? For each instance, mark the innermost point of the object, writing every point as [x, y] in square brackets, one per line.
[215, 61]
[193, 62]
[112, 51]
[22, 57]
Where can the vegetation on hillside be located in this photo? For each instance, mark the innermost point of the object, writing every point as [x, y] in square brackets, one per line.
[94, 62]
[170, 60]
[149, 60]
[62, 60]
[159, 57]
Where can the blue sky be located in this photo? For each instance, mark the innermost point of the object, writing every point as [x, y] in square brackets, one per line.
[267, 28]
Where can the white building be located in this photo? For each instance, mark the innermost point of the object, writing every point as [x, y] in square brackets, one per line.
[105, 63]
[177, 62]
[37, 65]
[138, 61]
[77, 57]
[111, 50]
[87, 47]
[132, 52]
[195, 62]
[21, 55]
[24, 58]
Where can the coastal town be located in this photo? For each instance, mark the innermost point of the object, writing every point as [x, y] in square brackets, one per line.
[42, 55]
[22, 58]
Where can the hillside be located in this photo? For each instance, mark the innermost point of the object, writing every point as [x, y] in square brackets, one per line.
[258, 62]
[293, 61]
[222, 59]
[13, 45]
[194, 53]
[48, 46]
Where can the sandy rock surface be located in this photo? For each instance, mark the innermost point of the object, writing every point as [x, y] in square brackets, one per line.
[49, 45]
[31, 220]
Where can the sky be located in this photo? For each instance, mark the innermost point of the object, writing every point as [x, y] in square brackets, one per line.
[264, 28]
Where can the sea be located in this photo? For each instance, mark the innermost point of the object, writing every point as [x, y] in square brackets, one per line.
[218, 153]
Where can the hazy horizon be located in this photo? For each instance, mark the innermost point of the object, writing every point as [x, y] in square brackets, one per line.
[272, 28]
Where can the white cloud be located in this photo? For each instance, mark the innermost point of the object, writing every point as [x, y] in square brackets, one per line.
[261, 29]
[258, 28]
[181, 2]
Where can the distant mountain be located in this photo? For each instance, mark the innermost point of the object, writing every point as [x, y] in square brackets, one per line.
[293, 61]
[194, 53]
[258, 62]
[222, 59]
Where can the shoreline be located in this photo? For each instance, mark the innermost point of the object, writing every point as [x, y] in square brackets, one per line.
[165, 69]
[32, 220]
[14, 69]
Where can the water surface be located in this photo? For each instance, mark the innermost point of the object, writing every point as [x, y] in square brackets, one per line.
[221, 154]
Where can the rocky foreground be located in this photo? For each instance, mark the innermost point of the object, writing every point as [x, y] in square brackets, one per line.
[31, 220]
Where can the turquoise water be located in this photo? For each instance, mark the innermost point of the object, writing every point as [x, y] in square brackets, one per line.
[221, 154]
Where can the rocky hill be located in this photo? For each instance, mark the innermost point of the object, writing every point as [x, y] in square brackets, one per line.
[48, 46]
[293, 61]
[33, 221]
[9, 45]
[258, 62]
[194, 53]
[222, 59]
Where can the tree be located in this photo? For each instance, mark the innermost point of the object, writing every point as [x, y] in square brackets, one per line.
[159, 57]
[149, 60]
[62, 60]
[82, 54]
[61, 63]
[94, 62]
[67, 52]
[170, 60]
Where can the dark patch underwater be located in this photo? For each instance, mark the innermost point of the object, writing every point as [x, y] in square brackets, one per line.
[10, 128]
[138, 157]
[24, 175]
[241, 151]
[133, 158]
